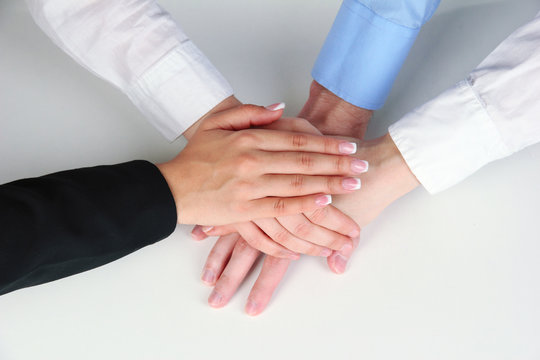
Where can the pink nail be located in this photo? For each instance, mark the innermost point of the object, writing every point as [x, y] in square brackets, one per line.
[347, 148]
[252, 308]
[349, 184]
[206, 229]
[323, 200]
[215, 299]
[340, 263]
[209, 277]
[276, 106]
[359, 166]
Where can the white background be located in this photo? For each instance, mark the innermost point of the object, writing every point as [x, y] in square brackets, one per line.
[451, 276]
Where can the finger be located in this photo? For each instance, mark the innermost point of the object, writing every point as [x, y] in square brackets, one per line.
[242, 259]
[243, 117]
[270, 207]
[254, 236]
[302, 228]
[278, 140]
[272, 272]
[282, 236]
[219, 230]
[337, 262]
[218, 257]
[311, 163]
[297, 185]
[335, 220]
[197, 233]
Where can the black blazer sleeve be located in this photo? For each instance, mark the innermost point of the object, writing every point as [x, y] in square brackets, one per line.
[68, 222]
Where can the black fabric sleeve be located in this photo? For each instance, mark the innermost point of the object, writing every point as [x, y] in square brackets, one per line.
[72, 221]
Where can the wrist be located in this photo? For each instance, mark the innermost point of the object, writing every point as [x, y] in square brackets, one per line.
[333, 115]
[226, 104]
[387, 166]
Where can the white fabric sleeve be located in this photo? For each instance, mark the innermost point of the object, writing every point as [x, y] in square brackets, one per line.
[138, 47]
[488, 116]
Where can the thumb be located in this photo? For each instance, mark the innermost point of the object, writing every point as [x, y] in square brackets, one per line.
[244, 117]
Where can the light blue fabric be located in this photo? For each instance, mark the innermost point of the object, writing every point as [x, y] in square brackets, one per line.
[367, 46]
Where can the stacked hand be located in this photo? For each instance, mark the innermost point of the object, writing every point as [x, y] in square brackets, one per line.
[388, 179]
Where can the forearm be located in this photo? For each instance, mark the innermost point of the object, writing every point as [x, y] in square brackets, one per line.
[72, 221]
[139, 48]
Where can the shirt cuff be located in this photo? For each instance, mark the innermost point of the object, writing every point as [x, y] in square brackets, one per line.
[449, 138]
[178, 90]
[362, 55]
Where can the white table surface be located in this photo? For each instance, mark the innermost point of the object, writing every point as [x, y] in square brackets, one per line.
[451, 276]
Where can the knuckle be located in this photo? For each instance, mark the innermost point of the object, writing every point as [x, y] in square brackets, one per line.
[246, 162]
[305, 161]
[246, 138]
[328, 144]
[339, 164]
[279, 206]
[299, 140]
[241, 246]
[282, 237]
[297, 182]
[319, 215]
[302, 229]
[240, 207]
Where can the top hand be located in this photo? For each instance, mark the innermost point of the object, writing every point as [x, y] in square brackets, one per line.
[225, 176]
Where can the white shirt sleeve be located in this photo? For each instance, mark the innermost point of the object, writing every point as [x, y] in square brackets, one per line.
[488, 116]
[138, 47]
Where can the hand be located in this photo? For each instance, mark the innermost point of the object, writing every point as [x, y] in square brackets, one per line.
[388, 179]
[333, 115]
[250, 174]
[314, 233]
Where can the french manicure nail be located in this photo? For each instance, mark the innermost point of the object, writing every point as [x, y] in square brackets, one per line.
[323, 200]
[209, 277]
[325, 252]
[276, 106]
[215, 298]
[206, 229]
[347, 148]
[359, 166]
[340, 263]
[251, 308]
[350, 184]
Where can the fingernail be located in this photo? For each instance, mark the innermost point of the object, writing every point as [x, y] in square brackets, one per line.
[354, 233]
[215, 298]
[197, 233]
[340, 263]
[325, 252]
[323, 200]
[207, 228]
[276, 106]
[359, 166]
[349, 184]
[252, 308]
[209, 277]
[347, 148]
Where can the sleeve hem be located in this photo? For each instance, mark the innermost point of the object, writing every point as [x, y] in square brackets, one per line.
[178, 90]
[448, 139]
[362, 55]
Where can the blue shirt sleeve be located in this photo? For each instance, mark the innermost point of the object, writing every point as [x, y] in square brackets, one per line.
[367, 46]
